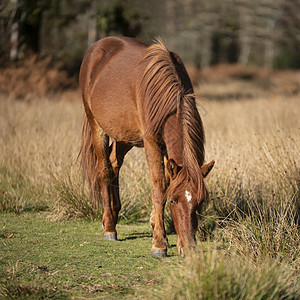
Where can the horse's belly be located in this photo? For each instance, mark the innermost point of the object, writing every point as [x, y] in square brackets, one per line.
[119, 120]
[124, 130]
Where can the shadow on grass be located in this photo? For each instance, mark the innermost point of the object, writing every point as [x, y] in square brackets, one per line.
[136, 235]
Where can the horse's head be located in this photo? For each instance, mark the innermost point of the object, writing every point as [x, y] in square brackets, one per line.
[186, 197]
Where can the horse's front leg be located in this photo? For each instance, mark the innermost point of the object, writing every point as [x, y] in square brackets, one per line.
[158, 187]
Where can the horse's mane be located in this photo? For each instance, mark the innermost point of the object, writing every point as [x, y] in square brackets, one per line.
[167, 90]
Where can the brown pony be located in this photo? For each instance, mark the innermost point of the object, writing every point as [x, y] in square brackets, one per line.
[142, 96]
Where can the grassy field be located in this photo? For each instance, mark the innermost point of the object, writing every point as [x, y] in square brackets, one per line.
[69, 259]
[50, 237]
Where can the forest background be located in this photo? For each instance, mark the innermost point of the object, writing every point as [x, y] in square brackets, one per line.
[203, 32]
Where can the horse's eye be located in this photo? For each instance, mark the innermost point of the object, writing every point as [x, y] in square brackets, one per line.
[172, 202]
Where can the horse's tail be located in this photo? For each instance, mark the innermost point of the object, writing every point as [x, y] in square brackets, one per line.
[89, 162]
[87, 151]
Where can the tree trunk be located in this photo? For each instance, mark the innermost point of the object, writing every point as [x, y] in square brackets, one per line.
[171, 23]
[244, 49]
[14, 34]
[245, 32]
[92, 26]
[206, 47]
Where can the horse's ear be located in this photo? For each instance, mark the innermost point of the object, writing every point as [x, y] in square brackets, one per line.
[205, 169]
[172, 168]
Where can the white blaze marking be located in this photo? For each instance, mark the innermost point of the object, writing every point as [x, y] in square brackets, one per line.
[188, 196]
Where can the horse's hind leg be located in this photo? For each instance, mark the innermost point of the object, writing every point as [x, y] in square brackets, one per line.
[117, 153]
[101, 146]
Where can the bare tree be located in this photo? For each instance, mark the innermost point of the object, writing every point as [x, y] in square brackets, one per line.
[171, 23]
[14, 34]
[245, 21]
[92, 25]
[9, 28]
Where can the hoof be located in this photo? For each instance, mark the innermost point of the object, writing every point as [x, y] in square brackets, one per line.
[110, 236]
[181, 252]
[159, 253]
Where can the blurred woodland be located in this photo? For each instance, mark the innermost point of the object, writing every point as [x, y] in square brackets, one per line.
[50, 37]
[204, 32]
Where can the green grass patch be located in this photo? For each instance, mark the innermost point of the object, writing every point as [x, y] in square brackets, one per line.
[41, 258]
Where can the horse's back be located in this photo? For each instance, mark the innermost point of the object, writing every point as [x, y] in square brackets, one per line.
[110, 76]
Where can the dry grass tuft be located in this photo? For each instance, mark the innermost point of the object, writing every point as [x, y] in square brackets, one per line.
[211, 274]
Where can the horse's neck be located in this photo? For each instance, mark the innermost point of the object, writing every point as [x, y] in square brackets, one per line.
[172, 136]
